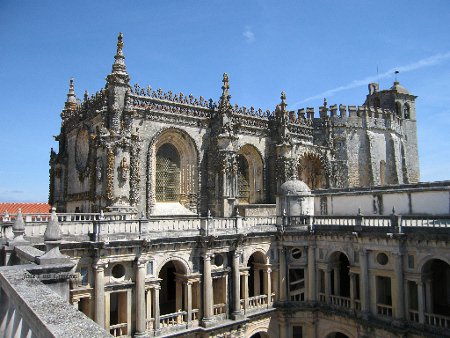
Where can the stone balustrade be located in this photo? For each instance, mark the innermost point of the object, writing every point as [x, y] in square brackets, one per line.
[112, 226]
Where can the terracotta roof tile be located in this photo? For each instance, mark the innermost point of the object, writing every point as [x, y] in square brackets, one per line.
[27, 208]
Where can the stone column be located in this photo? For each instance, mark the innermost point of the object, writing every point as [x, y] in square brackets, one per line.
[245, 290]
[140, 297]
[337, 280]
[237, 313]
[178, 295]
[364, 281]
[327, 285]
[99, 290]
[399, 295]
[156, 289]
[428, 296]
[256, 282]
[207, 290]
[269, 286]
[148, 316]
[420, 302]
[352, 290]
[282, 274]
[311, 274]
[188, 301]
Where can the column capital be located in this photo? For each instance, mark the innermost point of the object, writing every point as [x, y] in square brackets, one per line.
[237, 253]
[363, 252]
[100, 265]
[141, 261]
[207, 256]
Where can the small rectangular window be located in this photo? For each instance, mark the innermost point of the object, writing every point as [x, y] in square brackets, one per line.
[84, 276]
[410, 261]
[150, 268]
[297, 332]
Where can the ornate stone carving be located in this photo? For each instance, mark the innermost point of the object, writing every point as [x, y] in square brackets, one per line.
[124, 168]
[110, 159]
[134, 170]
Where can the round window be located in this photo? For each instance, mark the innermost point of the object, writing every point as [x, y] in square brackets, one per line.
[382, 258]
[218, 259]
[296, 253]
[118, 271]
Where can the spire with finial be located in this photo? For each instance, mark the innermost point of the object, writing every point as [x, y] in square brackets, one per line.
[224, 103]
[283, 104]
[18, 227]
[119, 59]
[53, 230]
[71, 101]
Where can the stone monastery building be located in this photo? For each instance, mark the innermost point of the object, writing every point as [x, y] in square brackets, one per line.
[186, 217]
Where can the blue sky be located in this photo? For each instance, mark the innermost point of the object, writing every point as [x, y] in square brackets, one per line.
[309, 49]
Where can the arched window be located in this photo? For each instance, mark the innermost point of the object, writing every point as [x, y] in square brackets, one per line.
[243, 179]
[398, 109]
[406, 112]
[250, 175]
[167, 173]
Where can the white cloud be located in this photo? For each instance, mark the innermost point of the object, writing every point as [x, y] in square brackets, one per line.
[248, 34]
[429, 61]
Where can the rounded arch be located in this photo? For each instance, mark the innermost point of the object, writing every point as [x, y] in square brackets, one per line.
[181, 265]
[406, 111]
[398, 108]
[259, 332]
[259, 254]
[340, 273]
[436, 276]
[337, 334]
[181, 168]
[337, 331]
[313, 170]
[425, 261]
[334, 254]
[250, 174]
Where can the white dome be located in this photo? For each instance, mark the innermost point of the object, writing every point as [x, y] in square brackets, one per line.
[294, 187]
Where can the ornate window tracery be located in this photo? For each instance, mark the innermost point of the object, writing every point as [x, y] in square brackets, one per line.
[167, 174]
[243, 180]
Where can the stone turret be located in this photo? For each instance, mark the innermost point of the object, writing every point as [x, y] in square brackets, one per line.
[223, 160]
[118, 85]
[295, 199]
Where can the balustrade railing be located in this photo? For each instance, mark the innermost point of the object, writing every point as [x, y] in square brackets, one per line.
[173, 319]
[150, 324]
[340, 301]
[414, 316]
[83, 224]
[219, 309]
[384, 310]
[437, 320]
[257, 301]
[119, 330]
[195, 314]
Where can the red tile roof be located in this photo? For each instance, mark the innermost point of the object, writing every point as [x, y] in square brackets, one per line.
[27, 208]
